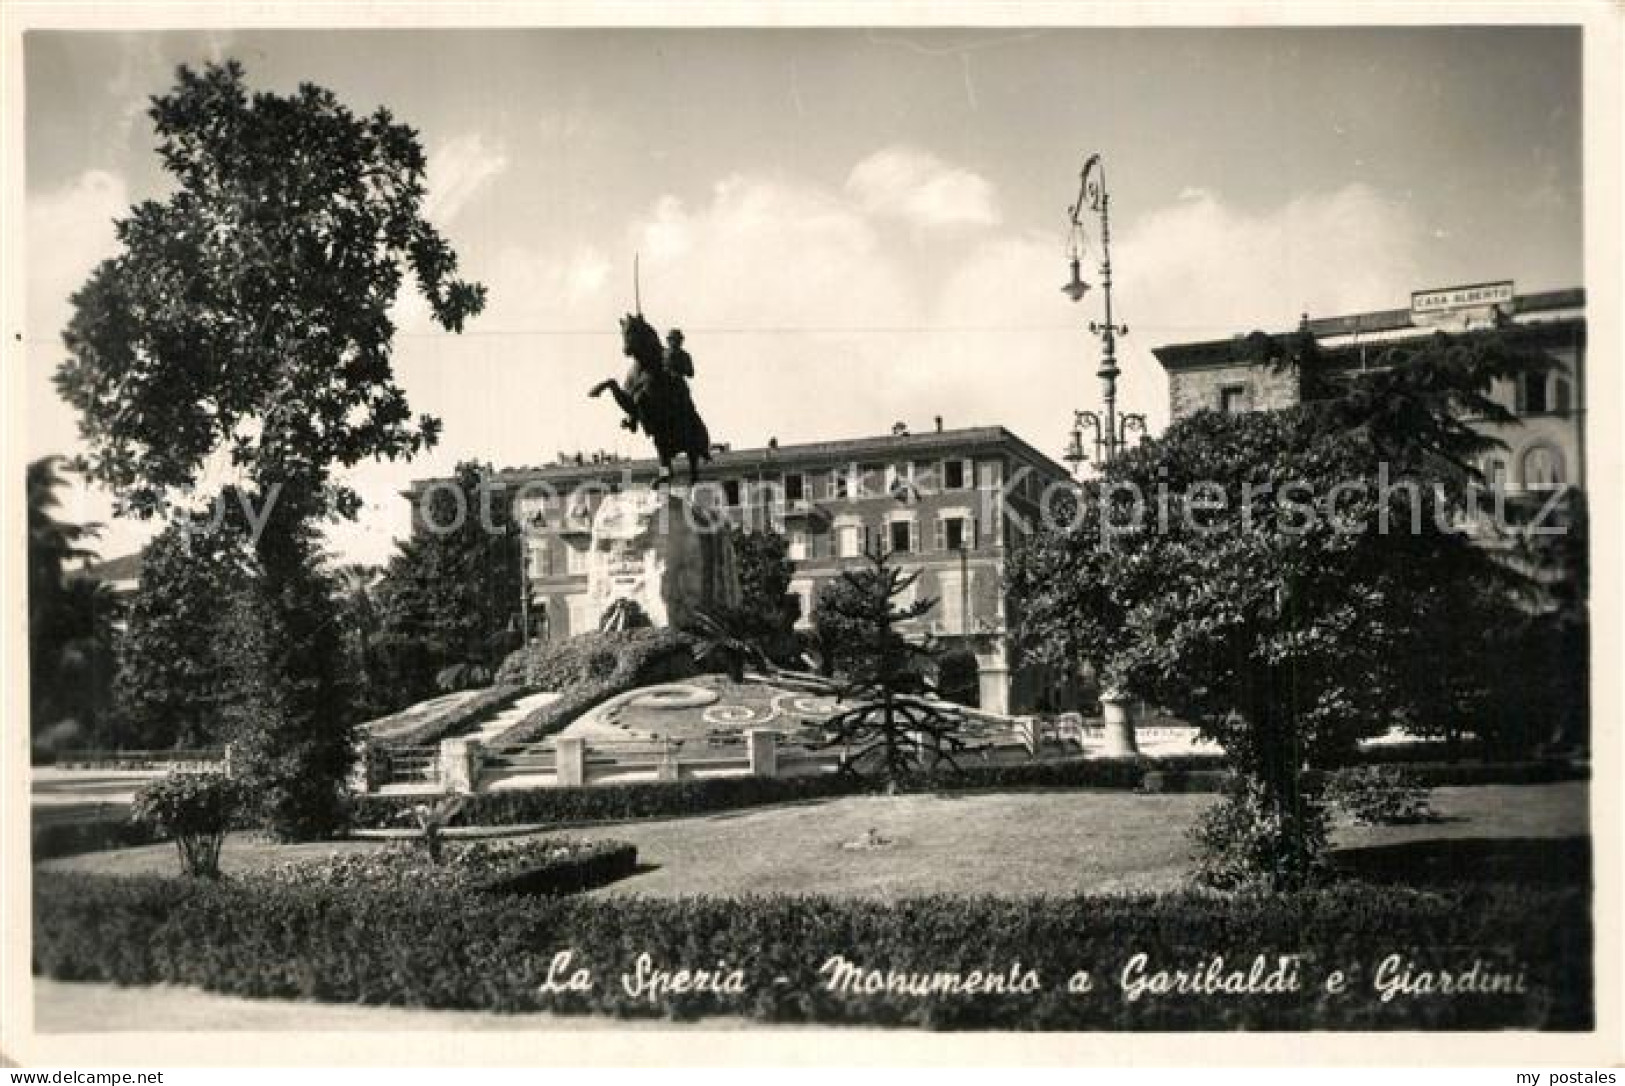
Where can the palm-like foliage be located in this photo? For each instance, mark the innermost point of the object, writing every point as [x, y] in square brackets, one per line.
[726, 642]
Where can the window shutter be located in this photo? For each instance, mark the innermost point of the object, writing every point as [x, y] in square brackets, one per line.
[937, 543]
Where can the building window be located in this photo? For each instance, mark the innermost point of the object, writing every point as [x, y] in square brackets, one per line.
[1533, 392]
[575, 559]
[580, 509]
[1542, 468]
[849, 540]
[795, 487]
[1233, 399]
[798, 544]
[1495, 473]
[902, 536]
[541, 558]
[1562, 394]
[844, 482]
[990, 475]
[900, 482]
[730, 493]
[953, 534]
[954, 475]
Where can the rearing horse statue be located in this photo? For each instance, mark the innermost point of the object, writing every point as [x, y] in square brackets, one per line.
[656, 397]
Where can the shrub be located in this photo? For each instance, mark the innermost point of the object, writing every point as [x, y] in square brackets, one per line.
[531, 866]
[1248, 842]
[196, 809]
[1378, 795]
[432, 819]
[589, 669]
[425, 947]
[556, 665]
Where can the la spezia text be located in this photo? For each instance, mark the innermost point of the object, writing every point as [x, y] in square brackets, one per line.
[1394, 977]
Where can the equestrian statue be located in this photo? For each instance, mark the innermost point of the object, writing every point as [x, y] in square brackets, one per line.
[655, 396]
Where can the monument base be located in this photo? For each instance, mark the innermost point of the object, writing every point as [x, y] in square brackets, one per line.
[659, 552]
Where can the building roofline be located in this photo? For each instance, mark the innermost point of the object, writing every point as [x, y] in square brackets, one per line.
[1199, 353]
[857, 448]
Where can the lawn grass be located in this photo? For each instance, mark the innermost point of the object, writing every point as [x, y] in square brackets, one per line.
[1009, 843]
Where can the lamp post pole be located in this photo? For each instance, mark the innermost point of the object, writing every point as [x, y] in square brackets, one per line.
[1111, 429]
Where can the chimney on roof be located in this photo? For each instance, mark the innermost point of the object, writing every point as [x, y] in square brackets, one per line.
[939, 424]
[899, 429]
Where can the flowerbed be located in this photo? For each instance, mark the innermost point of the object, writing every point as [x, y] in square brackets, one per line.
[422, 946]
[550, 865]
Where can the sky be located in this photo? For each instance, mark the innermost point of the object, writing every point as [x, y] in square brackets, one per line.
[852, 227]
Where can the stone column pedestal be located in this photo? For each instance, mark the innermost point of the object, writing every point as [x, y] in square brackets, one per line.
[669, 768]
[460, 762]
[763, 747]
[1117, 731]
[570, 760]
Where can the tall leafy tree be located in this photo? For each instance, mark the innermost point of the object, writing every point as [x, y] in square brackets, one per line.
[71, 621]
[449, 600]
[1281, 578]
[173, 682]
[356, 587]
[767, 613]
[246, 319]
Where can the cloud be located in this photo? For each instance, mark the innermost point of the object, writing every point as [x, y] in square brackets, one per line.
[68, 232]
[1203, 264]
[915, 186]
[459, 170]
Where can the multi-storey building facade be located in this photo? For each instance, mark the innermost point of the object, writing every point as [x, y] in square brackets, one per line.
[945, 503]
[1544, 451]
[1540, 468]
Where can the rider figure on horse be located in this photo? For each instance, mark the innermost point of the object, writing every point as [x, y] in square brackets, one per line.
[655, 394]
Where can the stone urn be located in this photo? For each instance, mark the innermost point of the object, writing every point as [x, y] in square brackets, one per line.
[1117, 725]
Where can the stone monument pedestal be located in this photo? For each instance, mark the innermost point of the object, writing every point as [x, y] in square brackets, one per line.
[666, 557]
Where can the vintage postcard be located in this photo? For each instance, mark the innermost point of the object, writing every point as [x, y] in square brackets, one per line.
[992, 533]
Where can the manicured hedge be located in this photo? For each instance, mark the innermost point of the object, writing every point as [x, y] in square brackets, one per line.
[71, 838]
[676, 799]
[669, 799]
[531, 865]
[439, 949]
[1462, 774]
[454, 721]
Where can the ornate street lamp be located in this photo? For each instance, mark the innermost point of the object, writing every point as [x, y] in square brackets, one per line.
[1110, 429]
